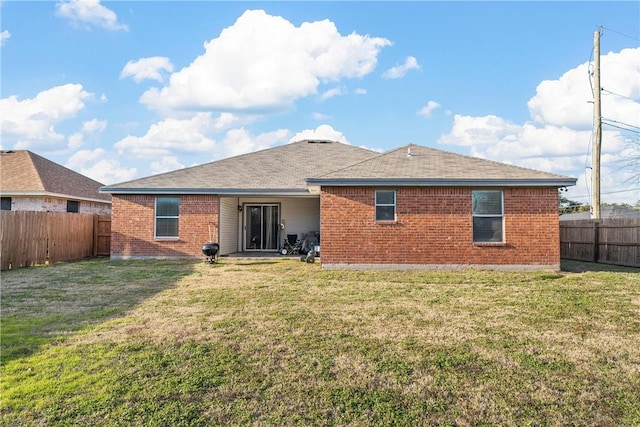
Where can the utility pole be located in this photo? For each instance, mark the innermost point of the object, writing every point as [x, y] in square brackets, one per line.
[597, 122]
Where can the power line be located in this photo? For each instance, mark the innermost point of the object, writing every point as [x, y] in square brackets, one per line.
[621, 123]
[617, 94]
[622, 34]
[620, 127]
[610, 192]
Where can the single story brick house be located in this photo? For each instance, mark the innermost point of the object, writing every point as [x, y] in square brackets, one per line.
[412, 207]
[29, 182]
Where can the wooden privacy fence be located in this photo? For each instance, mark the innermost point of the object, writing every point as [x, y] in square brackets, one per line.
[30, 238]
[608, 241]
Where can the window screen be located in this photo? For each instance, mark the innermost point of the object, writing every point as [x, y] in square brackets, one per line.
[167, 216]
[487, 216]
[385, 205]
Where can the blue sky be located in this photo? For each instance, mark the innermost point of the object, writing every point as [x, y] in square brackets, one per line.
[121, 90]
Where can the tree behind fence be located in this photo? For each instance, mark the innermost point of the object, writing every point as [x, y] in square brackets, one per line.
[30, 238]
[608, 241]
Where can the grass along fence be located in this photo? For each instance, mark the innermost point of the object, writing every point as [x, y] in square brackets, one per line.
[30, 238]
[608, 241]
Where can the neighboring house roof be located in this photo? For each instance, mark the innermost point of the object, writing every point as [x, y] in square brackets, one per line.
[303, 166]
[278, 170]
[417, 165]
[606, 212]
[24, 173]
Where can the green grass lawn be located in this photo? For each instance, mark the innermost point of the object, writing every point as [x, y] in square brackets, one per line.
[280, 342]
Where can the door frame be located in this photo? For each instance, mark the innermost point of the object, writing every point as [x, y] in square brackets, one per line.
[245, 225]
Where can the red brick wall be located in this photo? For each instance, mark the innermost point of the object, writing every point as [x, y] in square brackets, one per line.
[435, 226]
[132, 226]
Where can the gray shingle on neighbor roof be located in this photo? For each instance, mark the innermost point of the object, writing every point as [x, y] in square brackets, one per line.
[24, 172]
[282, 168]
[414, 164]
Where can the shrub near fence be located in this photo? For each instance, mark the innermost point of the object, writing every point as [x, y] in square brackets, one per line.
[30, 238]
[608, 241]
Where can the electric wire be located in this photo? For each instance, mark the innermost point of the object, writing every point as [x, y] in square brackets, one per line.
[621, 123]
[620, 127]
[617, 94]
[622, 34]
[607, 193]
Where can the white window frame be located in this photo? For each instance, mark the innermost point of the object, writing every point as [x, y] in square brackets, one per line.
[156, 217]
[386, 205]
[483, 215]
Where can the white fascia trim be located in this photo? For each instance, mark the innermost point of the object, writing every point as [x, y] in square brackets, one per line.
[48, 194]
[568, 182]
[206, 191]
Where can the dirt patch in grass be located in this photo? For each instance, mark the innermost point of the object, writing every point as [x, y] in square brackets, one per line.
[285, 342]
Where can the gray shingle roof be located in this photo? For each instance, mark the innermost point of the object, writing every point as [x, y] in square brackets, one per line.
[417, 165]
[26, 173]
[292, 168]
[279, 169]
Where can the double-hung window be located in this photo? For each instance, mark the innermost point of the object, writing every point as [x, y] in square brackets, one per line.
[167, 217]
[488, 216]
[385, 205]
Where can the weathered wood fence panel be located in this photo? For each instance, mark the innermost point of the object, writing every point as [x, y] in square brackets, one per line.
[608, 241]
[30, 238]
[102, 235]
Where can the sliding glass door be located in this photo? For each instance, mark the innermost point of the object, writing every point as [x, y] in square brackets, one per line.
[262, 226]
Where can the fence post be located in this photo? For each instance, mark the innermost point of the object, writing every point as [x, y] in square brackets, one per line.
[596, 241]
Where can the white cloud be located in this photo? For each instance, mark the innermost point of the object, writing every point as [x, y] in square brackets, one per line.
[240, 141]
[320, 116]
[568, 100]
[4, 36]
[94, 125]
[89, 13]
[558, 137]
[333, 92]
[477, 131]
[171, 135]
[428, 109]
[97, 165]
[147, 68]
[166, 164]
[265, 62]
[360, 91]
[89, 127]
[399, 71]
[325, 132]
[75, 141]
[33, 120]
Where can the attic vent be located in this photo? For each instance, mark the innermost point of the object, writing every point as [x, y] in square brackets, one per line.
[6, 152]
[319, 141]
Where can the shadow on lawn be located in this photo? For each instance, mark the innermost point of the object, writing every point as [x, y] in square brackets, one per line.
[44, 304]
[582, 267]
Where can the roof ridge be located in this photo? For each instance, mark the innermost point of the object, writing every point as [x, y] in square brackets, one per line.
[485, 160]
[357, 163]
[38, 173]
